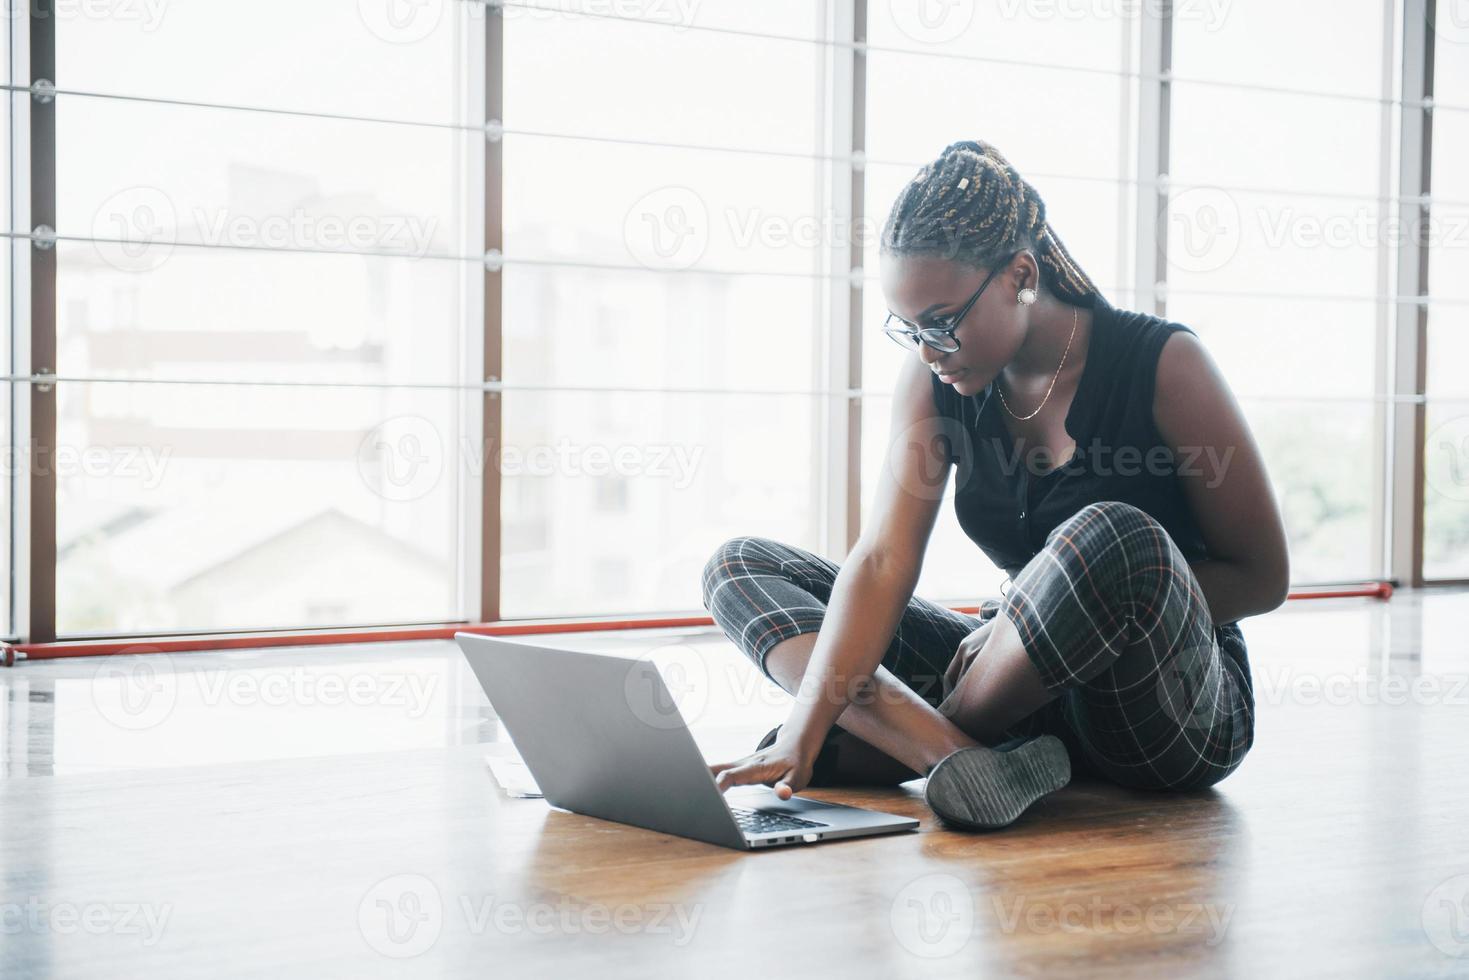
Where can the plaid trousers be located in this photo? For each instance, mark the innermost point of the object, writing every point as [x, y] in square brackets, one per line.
[1151, 693]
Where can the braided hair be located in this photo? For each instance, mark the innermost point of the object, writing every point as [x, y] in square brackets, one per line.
[972, 206]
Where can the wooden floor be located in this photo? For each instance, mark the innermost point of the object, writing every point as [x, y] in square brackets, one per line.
[329, 813]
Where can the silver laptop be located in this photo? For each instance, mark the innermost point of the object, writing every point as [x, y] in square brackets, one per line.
[603, 736]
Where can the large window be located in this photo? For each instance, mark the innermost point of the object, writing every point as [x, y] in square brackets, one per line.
[273, 407]
[242, 287]
[1446, 428]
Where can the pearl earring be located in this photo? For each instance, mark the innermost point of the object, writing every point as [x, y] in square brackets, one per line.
[1026, 296]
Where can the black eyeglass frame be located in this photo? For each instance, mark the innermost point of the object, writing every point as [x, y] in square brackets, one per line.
[909, 335]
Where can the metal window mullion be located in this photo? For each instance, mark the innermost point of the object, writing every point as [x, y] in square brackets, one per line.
[1155, 62]
[1408, 372]
[492, 405]
[839, 490]
[40, 625]
[1380, 542]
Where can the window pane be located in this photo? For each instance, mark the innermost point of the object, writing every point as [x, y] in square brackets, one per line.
[614, 501]
[1262, 43]
[1054, 33]
[1446, 490]
[611, 328]
[259, 315]
[594, 76]
[1321, 464]
[193, 507]
[1257, 139]
[666, 210]
[374, 58]
[1451, 91]
[1286, 348]
[222, 177]
[582, 535]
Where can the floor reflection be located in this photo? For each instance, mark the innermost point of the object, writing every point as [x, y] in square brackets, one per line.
[105, 714]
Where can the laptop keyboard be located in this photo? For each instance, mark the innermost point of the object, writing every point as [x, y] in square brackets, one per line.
[761, 822]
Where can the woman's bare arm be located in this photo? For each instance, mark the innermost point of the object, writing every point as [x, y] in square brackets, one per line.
[1224, 480]
[879, 576]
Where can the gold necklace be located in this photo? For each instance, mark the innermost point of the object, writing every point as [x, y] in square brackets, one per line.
[1075, 313]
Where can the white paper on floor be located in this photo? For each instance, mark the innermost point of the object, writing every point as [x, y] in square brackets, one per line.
[514, 778]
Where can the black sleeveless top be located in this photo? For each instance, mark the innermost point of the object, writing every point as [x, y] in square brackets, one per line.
[1008, 502]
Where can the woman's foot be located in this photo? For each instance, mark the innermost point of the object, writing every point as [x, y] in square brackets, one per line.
[846, 760]
[982, 788]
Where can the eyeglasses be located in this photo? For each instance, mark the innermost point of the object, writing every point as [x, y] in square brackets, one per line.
[940, 337]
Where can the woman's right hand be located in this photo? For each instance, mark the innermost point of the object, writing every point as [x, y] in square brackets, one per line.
[781, 765]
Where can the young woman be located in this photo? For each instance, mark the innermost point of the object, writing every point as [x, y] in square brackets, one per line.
[1102, 462]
